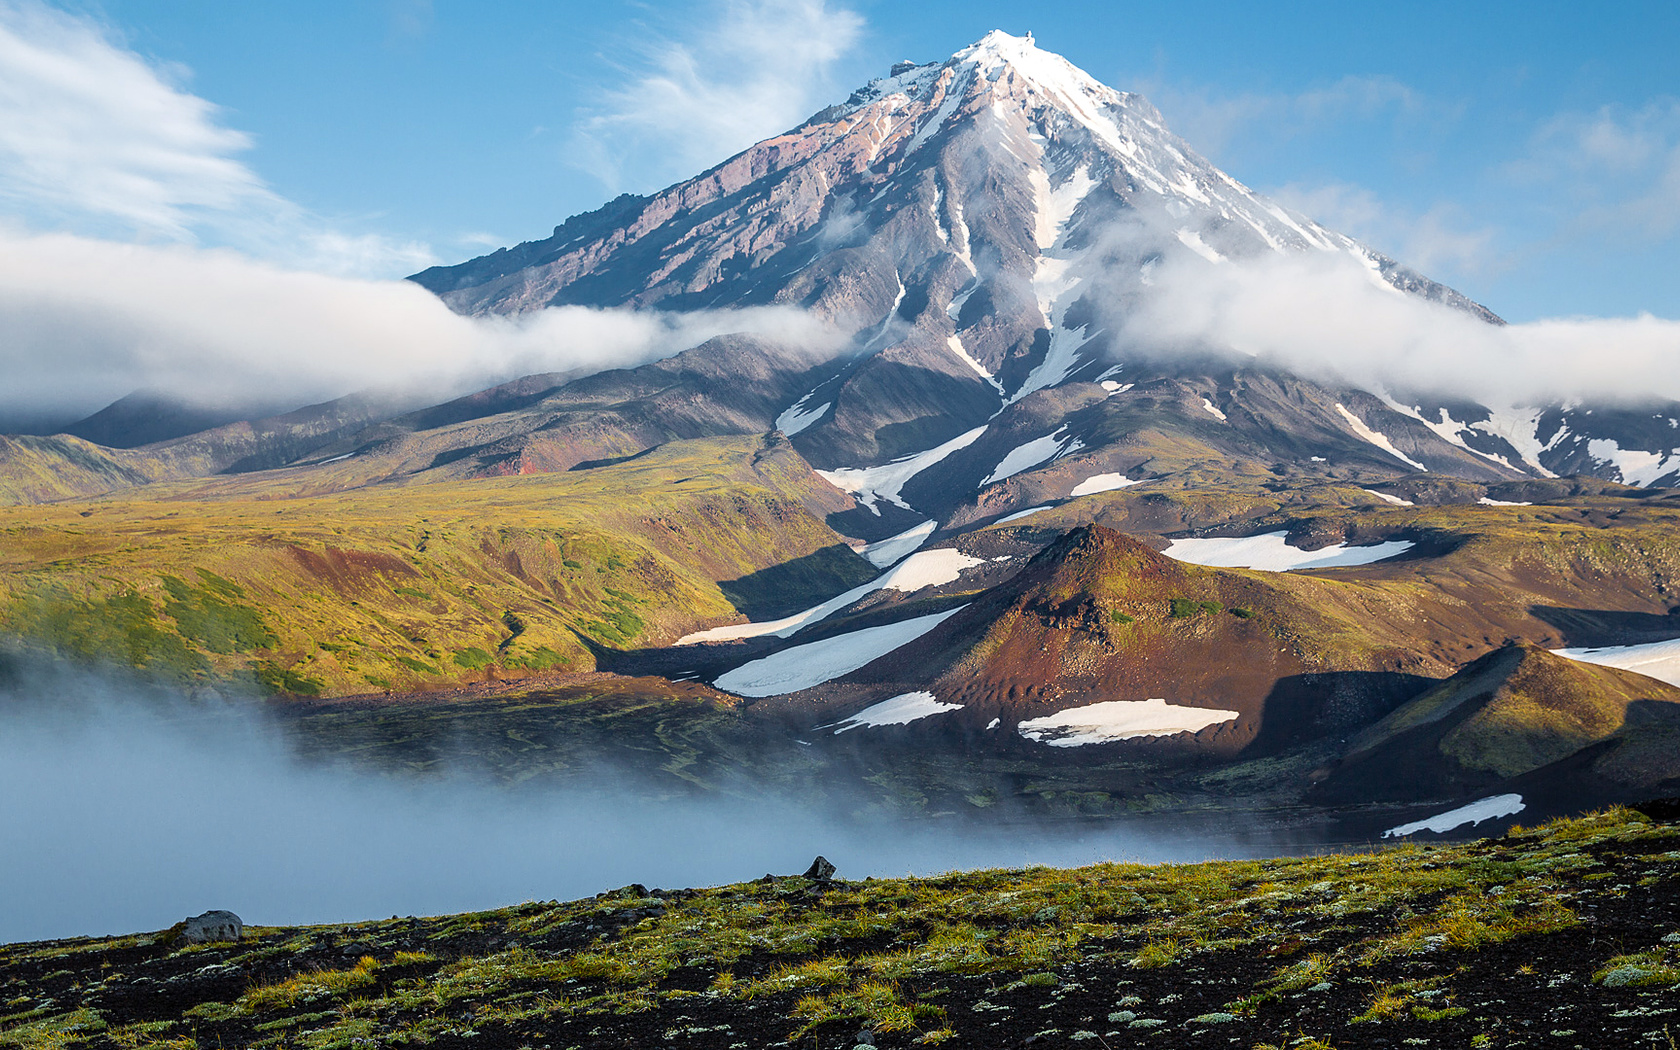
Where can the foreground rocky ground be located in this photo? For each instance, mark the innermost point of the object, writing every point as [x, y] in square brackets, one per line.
[1564, 936]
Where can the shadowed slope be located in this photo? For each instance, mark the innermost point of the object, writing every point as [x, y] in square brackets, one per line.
[1510, 713]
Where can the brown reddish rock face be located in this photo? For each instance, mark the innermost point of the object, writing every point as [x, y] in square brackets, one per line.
[1099, 616]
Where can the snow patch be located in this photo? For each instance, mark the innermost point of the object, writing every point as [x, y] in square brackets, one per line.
[883, 553]
[1519, 429]
[1213, 410]
[1396, 500]
[1111, 720]
[1018, 515]
[900, 710]
[1033, 453]
[803, 666]
[798, 417]
[924, 569]
[953, 309]
[1490, 502]
[1101, 483]
[1474, 813]
[928, 569]
[1078, 94]
[1193, 240]
[955, 343]
[870, 484]
[1659, 660]
[954, 90]
[1056, 206]
[1375, 438]
[1634, 466]
[1269, 552]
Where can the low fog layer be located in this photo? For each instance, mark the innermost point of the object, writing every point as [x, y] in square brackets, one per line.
[129, 808]
[88, 321]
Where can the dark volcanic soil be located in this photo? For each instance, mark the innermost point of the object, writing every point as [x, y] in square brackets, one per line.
[1565, 937]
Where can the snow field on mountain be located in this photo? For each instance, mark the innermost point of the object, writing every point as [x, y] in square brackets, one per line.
[962, 354]
[1032, 453]
[900, 710]
[1396, 500]
[1018, 515]
[1053, 278]
[798, 417]
[1474, 813]
[1636, 466]
[1659, 660]
[926, 569]
[1111, 720]
[1193, 240]
[1381, 441]
[1270, 552]
[883, 553]
[1101, 483]
[1213, 410]
[1447, 428]
[871, 484]
[814, 663]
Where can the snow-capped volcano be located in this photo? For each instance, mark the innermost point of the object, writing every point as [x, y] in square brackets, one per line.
[985, 226]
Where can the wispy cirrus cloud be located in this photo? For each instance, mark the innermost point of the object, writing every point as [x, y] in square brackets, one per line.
[748, 69]
[1441, 238]
[98, 139]
[1213, 120]
[1615, 170]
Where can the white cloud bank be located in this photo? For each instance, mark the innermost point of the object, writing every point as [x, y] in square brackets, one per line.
[1326, 315]
[88, 321]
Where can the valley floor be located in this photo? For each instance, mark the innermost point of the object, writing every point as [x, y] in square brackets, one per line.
[1565, 936]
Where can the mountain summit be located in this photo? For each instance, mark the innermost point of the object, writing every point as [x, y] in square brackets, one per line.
[990, 237]
[982, 226]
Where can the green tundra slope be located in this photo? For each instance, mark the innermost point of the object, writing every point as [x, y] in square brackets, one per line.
[1555, 937]
[408, 587]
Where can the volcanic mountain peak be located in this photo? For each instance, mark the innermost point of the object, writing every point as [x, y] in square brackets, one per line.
[1044, 73]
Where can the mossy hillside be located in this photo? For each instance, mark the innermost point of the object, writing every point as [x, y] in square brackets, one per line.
[1574, 572]
[1568, 926]
[39, 469]
[1547, 709]
[1099, 616]
[1515, 711]
[385, 587]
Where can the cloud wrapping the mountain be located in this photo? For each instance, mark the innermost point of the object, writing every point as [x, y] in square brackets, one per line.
[88, 321]
[1327, 316]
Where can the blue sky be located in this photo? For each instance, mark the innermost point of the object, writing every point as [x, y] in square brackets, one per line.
[1527, 153]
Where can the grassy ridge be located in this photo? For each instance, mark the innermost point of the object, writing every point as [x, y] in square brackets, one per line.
[1565, 929]
[1543, 574]
[403, 587]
